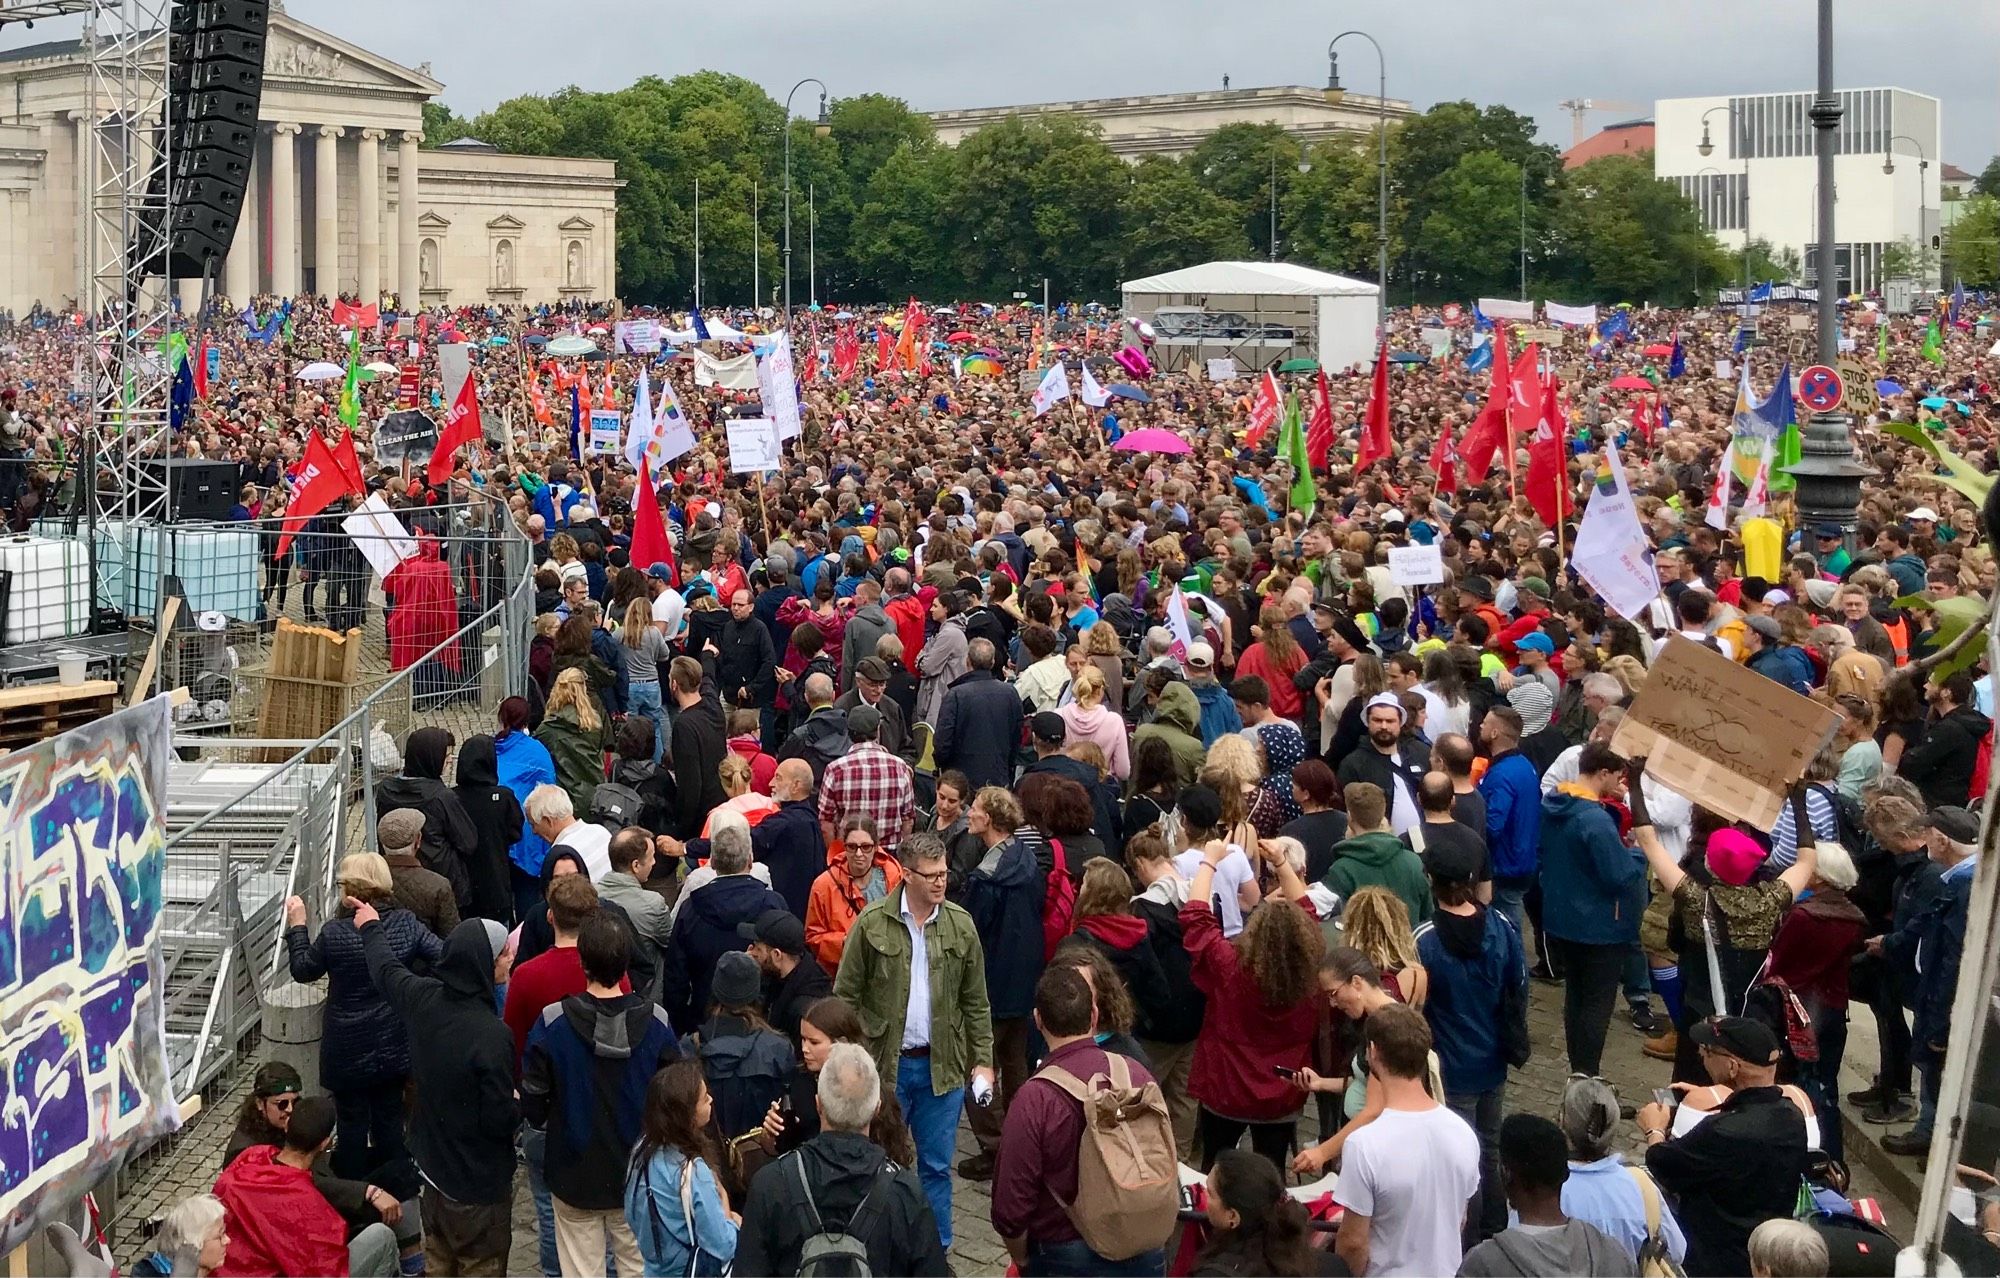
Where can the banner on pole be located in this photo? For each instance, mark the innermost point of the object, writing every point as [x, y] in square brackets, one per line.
[753, 445]
[779, 385]
[379, 535]
[606, 432]
[1416, 565]
[637, 337]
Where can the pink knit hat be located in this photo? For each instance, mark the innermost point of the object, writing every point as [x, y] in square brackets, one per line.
[1733, 856]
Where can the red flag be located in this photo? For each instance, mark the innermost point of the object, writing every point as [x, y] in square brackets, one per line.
[539, 401]
[350, 461]
[650, 543]
[321, 482]
[1375, 424]
[1319, 428]
[461, 426]
[1548, 471]
[1642, 419]
[1264, 410]
[583, 391]
[1524, 405]
[906, 346]
[351, 315]
[1444, 460]
[200, 369]
[885, 350]
[609, 397]
[1489, 429]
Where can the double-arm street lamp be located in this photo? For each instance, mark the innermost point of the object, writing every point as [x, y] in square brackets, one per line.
[821, 128]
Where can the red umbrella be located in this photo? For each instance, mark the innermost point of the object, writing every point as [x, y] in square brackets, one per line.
[961, 337]
[1660, 350]
[1631, 382]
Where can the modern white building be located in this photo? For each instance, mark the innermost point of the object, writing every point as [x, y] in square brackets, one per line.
[1747, 162]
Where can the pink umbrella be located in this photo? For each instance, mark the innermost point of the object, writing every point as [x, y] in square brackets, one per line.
[1152, 440]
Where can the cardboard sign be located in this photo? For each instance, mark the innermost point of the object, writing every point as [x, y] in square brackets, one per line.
[1799, 323]
[1546, 336]
[605, 432]
[1222, 370]
[1416, 565]
[1722, 734]
[1724, 369]
[379, 535]
[1862, 397]
[753, 445]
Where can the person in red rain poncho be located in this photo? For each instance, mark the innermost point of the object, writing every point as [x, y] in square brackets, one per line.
[426, 608]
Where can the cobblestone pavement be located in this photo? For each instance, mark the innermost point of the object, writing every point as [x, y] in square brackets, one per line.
[190, 1164]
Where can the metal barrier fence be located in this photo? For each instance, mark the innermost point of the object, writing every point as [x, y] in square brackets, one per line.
[245, 833]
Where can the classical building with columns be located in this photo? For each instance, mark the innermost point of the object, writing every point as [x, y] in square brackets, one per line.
[343, 198]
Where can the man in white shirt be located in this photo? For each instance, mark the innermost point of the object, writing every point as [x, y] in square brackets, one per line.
[1407, 1180]
[552, 816]
[1235, 890]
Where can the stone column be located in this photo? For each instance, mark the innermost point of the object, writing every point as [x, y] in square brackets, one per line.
[326, 210]
[368, 205]
[409, 281]
[239, 270]
[284, 210]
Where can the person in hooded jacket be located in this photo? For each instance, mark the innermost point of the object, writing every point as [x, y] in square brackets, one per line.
[462, 1058]
[584, 1074]
[746, 1063]
[1941, 765]
[1167, 1028]
[497, 823]
[1107, 923]
[942, 659]
[705, 923]
[1593, 891]
[865, 627]
[1176, 720]
[1004, 895]
[450, 839]
[523, 763]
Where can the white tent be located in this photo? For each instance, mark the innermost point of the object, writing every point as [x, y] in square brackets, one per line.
[1331, 316]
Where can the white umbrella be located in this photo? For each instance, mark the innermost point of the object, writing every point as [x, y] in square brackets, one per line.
[320, 372]
[843, 315]
[383, 367]
[597, 328]
[571, 346]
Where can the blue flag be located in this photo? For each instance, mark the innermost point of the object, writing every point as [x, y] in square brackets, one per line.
[1742, 342]
[700, 325]
[1957, 300]
[1479, 320]
[575, 428]
[1677, 366]
[1481, 358]
[181, 401]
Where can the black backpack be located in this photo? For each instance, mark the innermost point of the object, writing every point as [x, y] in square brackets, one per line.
[838, 1253]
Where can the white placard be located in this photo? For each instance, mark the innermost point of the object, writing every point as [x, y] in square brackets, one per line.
[1724, 369]
[1222, 370]
[638, 337]
[753, 445]
[454, 366]
[379, 535]
[1416, 565]
[1439, 340]
[779, 385]
[605, 432]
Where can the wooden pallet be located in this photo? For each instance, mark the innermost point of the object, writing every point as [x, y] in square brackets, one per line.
[309, 682]
[39, 711]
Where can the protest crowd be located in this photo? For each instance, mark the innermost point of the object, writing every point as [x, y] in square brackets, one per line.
[1141, 809]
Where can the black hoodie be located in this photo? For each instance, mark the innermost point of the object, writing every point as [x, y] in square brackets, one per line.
[496, 818]
[462, 1059]
[902, 1237]
[450, 841]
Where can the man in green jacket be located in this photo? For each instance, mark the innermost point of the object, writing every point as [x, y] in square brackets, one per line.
[1372, 856]
[915, 974]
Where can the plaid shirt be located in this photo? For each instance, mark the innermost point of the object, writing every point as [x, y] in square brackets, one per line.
[869, 781]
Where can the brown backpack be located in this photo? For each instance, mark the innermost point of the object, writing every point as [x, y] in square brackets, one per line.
[1127, 1171]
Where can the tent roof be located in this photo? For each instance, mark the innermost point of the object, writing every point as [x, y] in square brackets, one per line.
[1249, 278]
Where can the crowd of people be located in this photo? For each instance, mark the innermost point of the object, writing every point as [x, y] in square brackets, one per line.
[966, 757]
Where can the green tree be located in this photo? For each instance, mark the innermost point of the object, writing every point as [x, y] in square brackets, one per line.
[1172, 221]
[1330, 216]
[1988, 181]
[1909, 258]
[1472, 234]
[1972, 245]
[1424, 154]
[441, 126]
[1623, 235]
[1246, 164]
[897, 245]
[1035, 198]
[1767, 263]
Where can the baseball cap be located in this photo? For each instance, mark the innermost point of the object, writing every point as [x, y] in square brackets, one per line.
[873, 669]
[1451, 862]
[737, 982]
[1386, 699]
[779, 929]
[1924, 513]
[1765, 626]
[864, 719]
[399, 830]
[1826, 532]
[1200, 655]
[660, 572]
[276, 1078]
[1200, 806]
[1534, 586]
[1535, 641]
[1733, 856]
[1743, 1038]
[1049, 726]
[1955, 823]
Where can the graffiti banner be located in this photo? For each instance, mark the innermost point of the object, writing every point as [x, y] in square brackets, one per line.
[83, 1048]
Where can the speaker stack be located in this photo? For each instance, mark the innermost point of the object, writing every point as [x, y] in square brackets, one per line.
[215, 80]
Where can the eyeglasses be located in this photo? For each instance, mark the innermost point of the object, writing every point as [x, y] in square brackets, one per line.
[863, 844]
[931, 876]
[284, 1103]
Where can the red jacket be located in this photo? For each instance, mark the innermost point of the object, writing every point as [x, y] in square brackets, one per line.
[762, 766]
[908, 613]
[278, 1222]
[549, 977]
[1813, 945]
[1522, 626]
[1241, 1036]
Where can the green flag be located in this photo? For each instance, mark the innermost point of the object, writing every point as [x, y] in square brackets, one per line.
[1292, 447]
[350, 392]
[1789, 451]
[1882, 342]
[1934, 344]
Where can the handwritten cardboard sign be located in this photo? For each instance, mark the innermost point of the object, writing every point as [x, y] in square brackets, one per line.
[1722, 734]
[1416, 565]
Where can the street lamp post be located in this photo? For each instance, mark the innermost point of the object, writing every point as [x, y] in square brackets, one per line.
[1333, 94]
[1524, 232]
[1274, 201]
[820, 129]
[1828, 473]
[1923, 175]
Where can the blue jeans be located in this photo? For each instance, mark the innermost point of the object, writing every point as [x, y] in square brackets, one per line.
[644, 698]
[1510, 897]
[1638, 979]
[1063, 1259]
[933, 1123]
[534, 1148]
[1929, 1079]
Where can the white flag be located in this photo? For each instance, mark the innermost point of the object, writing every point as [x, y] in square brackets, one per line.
[778, 384]
[1611, 550]
[1758, 499]
[1177, 621]
[642, 433]
[1093, 394]
[672, 435]
[1055, 386]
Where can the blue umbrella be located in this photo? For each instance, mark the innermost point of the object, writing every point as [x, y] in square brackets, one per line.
[535, 339]
[1887, 387]
[498, 339]
[1125, 391]
[1408, 357]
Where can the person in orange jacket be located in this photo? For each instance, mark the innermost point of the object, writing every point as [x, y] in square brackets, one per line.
[859, 870]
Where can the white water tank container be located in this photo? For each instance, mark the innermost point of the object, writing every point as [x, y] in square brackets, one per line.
[49, 593]
[216, 564]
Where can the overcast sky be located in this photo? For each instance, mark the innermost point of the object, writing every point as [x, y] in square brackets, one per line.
[934, 56]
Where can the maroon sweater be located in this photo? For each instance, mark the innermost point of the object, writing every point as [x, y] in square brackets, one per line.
[1036, 1171]
[1242, 1037]
[1813, 945]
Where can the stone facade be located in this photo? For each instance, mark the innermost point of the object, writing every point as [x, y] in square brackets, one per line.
[326, 210]
[1172, 123]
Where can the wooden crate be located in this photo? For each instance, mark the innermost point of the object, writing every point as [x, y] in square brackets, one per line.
[39, 711]
[309, 682]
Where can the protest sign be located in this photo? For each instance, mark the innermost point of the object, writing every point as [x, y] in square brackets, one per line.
[379, 535]
[638, 337]
[606, 432]
[1723, 734]
[1416, 565]
[1222, 370]
[1439, 341]
[1724, 369]
[1611, 551]
[778, 384]
[753, 445]
[454, 366]
[739, 373]
[406, 436]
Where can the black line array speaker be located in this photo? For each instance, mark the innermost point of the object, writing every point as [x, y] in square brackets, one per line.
[215, 80]
[195, 489]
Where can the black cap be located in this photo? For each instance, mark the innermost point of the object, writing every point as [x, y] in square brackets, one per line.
[1350, 634]
[1201, 806]
[1955, 823]
[779, 929]
[1826, 532]
[1049, 726]
[276, 1078]
[1480, 588]
[1452, 861]
[1743, 1038]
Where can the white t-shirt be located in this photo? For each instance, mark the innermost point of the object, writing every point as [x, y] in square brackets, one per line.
[590, 841]
[1230, 876]
[1411, 1172]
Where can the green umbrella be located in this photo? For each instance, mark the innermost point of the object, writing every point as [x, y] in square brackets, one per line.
[1299, 366]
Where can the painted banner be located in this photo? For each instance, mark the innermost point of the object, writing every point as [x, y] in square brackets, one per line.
[638, 337]
[778, 382]
[606, 432]
[82, 853]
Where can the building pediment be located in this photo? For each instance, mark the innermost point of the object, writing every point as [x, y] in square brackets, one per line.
[506, 223]
[296, 51]
[578, 223]
[430, 221]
